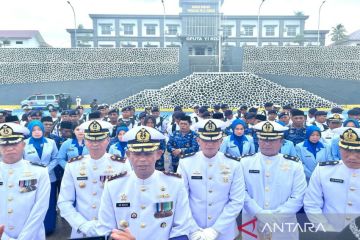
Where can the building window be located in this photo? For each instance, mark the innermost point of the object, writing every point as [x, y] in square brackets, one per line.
[150, 29]
[291, 31]
[172, 29]
[210, 51]
[128, 45]
[128, 29]
[269, 30]
[106, 45]
[19, 42]
[106, 29]
[248, 30]
[227, 30]
[190, 50]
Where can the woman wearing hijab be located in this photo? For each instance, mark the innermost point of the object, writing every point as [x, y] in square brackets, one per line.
[312, 151]
[41, 150]
[119, 146]
[238, 144]
[72, 147]
[335, 151]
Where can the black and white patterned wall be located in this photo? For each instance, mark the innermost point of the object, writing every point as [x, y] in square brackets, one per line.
[341, 62]
[235, 89]
[30, 65]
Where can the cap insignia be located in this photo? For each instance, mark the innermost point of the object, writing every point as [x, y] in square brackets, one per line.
[142, 136]
[6, 131]
[268, 127]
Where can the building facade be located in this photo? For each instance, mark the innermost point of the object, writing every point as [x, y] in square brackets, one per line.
[200, 26]
[22, 39]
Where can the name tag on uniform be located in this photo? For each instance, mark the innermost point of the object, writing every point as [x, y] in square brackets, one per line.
[254, 171]
[336, 180]
[126, 204]
[196, 177]
[82, 178]
[31, 152]
[70, 149]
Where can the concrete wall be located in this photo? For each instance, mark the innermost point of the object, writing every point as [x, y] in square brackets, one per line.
[34, 65]
[341, 62]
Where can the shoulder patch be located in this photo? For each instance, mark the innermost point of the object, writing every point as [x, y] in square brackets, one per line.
[117, 158]
[74, 159]
[187, 155]
[329, 163]
[172, 174]
[291, 158]
[233, 157]
[37, 164]
[248, 155]
[116, 176]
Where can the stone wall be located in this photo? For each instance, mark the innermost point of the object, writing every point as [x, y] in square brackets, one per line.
[342, 62]
[234, 89]
[31, 65]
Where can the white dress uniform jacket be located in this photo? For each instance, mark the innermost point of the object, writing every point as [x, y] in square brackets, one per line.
[24, 200]
[274, 183]
[216, 192]
[83, 183]
[333, 195]
[138, 202]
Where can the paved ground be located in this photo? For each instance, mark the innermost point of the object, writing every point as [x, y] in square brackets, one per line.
[62, 232]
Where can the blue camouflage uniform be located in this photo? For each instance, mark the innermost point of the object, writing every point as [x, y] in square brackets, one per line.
[296, 135]
[186, 143]
[252, 133]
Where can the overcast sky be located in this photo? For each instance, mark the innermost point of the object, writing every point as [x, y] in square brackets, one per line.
[52, 17]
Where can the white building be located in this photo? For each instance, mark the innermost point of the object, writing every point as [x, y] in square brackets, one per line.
[22, 39]
[352, 40]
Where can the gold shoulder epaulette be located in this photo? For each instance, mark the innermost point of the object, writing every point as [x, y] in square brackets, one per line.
[329, 163]
[116, 176]
[232, 157]
[187, 155]
[74, 159]
[172, 174]
[291, 158]
[117, 158]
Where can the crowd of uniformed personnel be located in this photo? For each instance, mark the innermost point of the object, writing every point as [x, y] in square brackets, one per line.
[105, 172]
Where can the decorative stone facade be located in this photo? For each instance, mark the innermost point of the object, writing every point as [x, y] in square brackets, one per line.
[30, 65]
[235, 89]
[324, 62]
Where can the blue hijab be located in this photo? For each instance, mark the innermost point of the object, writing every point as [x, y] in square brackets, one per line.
[38, 143]
[238, 140]
[120, 145]
[312, 147]
[356, 123]
[79, 147]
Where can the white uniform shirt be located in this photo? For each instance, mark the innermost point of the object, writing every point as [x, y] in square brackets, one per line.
[333, 195]
[83, 183]
[216, 192]
[328, 135]
[24, 200]
[273, 183]
[138, 202]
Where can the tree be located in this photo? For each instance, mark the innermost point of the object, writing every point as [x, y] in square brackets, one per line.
[299, 13]
[299, 39]
[80, 26]
[338, 33]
